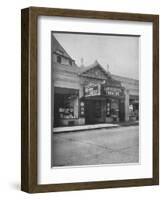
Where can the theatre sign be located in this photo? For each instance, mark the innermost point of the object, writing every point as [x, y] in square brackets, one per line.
[113, 91]
[92, 90]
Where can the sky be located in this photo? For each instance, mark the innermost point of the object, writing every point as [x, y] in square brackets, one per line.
[121, 53]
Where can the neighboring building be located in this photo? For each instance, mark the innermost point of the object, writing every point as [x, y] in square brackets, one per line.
[89, 95]
[131, 97]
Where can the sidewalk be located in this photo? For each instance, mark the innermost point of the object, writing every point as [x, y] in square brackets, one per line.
[93, 127]
[83, 127]
[129, 123]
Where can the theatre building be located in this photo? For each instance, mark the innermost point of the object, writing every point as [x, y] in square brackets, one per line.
[89, 94]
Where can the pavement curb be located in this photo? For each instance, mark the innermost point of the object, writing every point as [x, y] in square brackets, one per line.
[90, 129]
[96, 128]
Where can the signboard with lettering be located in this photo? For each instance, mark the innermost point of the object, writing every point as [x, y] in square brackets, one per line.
[92, 90]
[111, 91]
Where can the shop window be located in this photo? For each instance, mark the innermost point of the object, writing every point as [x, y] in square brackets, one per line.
[133, 110]
[59, 59]
[66, 112]
[66, 105]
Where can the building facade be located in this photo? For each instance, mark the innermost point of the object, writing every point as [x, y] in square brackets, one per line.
[90, 94]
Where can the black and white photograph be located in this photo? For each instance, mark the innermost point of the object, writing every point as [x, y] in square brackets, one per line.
[94, 99]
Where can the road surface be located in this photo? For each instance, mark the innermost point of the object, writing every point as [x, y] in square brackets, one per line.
[95, 147]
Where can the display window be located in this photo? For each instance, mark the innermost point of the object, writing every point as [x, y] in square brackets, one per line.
[133, 109]
[65, 105]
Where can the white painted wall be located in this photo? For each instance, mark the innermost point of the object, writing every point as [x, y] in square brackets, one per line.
[10, 99]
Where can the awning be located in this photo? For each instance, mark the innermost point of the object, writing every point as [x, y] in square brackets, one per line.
[69, 91]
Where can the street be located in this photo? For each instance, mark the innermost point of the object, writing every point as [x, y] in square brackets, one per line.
[94, 147]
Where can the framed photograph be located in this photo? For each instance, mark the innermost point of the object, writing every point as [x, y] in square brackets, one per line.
[90, 99]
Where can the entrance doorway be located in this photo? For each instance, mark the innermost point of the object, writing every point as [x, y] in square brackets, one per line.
[95, 111]
[121, 110]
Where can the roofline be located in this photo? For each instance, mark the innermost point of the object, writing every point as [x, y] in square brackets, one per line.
[96, 63]
[114, 75]
[64, 56]
[63, 48]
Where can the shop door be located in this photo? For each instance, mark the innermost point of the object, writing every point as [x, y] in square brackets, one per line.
[121, 111]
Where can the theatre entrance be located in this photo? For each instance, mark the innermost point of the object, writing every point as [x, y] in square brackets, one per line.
[95, 111]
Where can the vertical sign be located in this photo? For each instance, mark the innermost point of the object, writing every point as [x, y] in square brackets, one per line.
[82, 108]
[108, 106]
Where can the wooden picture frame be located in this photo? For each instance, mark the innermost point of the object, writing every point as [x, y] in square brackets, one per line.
[29, 97]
